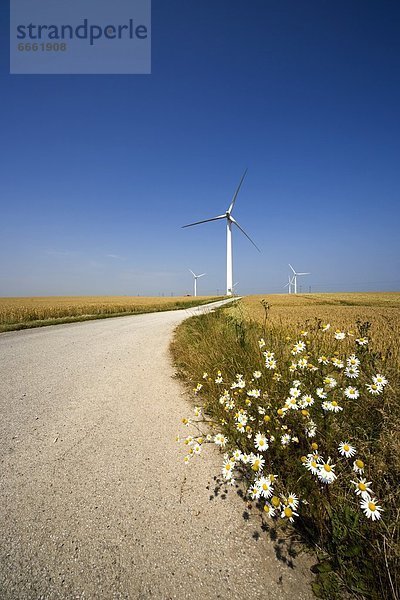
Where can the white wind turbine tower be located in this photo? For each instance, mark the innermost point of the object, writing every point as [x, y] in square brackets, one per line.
[289, 284]
[229, 221]
[195, 280]
[294, 278]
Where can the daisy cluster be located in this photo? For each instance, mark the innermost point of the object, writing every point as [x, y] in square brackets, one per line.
[282, 410]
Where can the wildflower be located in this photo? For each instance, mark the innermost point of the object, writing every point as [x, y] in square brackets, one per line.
[219, 379]
[227, 469]
[298, 347]
[277, 377]
[269, 355]
[371, 508]
[358, 466]
[326, 327]
[326, 473]
[186, 459]
[285, 439]
[237, 454]
[246, 458]
[307, 400]
[269, 510]
[374, 388]
[363, 341]
[254, 492]
[198, 388]
[205, 375]
[339, 335]
[311, 429]
[312, 464]
[351, 372]
[257, 374]
[331, 406]
[260, 442]
[189, 440]
[321, 393]
[330, 382]
[337, 363]
[345, 449]
[254, 393]
[353, 361]
[302, 363]
[197, 411]
[197, 449]
[270, 364]
[291, 403]
[292, 501]
[257, 462]
[265, 485]
[288, 513]
[379, 380]
[261, 343]
[351, 392]
[220, 440]
[323, 360]
[362, 488]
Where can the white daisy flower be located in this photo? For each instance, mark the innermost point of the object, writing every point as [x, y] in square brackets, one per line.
[371, 508]
[296, 383]
[307, 400]
[261, 343]
[339, 335]
[270, 364]
[260, 442]
[257, 462]
[345, 449]
[362, 488]
[374, 388]
[197, 448]
[298, 347]
[352, 393]
[288, 513]
[219, 379]
[291, 500]
[326, 473]
[295, 392]
[358, 466]
[198, 388]
[266, 487]
[257, 374]
[285, 439]
[330, 382]
[220, 440]
[351, 372]
[379, 380]
[324, 360]
[254, 492]
[337, 363]
[269, 510]
[205, 375]
[254, 393]
[321, 393]
[197, 411]
[353, 361]
[311, 429]
[363, 341]
[312, 464]
[331, 406]
[227, 469]
[326, 327]
[302, 363]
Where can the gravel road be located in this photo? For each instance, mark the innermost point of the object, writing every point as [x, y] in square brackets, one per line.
[95, 500]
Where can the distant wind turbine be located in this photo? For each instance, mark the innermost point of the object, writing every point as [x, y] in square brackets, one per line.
[195, 280]
[289, 284]
[294, 278]
[229, 221]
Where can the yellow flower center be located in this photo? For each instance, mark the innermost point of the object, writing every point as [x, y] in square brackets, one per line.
[314, 446]
[228, 467]
[256, 465]
[362, 487]
[346, 447]
[334, 403]
[359, 464]
[280, 412]
[272, 478]
[267, 418]
[371, 506]
[314, 464]
[265, 486]
[266, 508]
[327, 468]
[288, 512]
[303, 459]
[275, 501]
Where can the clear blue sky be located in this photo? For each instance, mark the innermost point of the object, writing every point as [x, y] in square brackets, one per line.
[99, 173]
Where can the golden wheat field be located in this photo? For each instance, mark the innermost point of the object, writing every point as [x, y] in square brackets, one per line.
[31, 311]
[341, 310]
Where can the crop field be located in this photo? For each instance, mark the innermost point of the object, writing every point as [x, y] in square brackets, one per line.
[22, 313]
[342, 310]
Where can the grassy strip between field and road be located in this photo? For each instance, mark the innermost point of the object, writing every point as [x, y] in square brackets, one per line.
[26, 313]
[308, 420]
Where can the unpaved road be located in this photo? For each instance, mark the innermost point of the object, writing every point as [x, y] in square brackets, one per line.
[95, 501]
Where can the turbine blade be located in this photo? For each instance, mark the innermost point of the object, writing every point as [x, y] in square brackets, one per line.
[292, 268]
[202, 275]
[243, 231]
[192, 273]
[303, 273]
[205, 221]
[236, 193]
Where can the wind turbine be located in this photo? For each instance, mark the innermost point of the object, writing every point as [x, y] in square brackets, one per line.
[289, 284]
[195, 280]
[295, 277]
[229, 221]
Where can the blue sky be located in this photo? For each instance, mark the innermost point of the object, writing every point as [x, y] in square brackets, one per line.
[99, 173]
